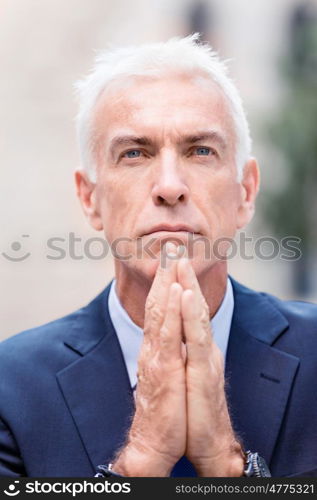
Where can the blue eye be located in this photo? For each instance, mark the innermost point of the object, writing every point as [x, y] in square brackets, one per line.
[134, 153]
[203, 151]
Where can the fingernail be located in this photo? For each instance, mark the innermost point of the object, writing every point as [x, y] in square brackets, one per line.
[168, 255]
[170, 248]
[182, 251]
[175, 287]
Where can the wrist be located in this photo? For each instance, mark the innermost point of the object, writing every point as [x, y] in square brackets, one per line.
[229, 462]
[139, 461]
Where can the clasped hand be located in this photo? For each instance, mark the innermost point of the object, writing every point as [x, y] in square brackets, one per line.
[181, 406]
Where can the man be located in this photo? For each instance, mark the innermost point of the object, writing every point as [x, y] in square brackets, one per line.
[166, 174]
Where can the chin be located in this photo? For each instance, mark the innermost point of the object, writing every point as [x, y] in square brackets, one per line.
[146, 268]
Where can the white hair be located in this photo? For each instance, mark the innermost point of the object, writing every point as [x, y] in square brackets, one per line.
[156, 59]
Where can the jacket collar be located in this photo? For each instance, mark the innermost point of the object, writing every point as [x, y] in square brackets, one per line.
[91, 324]
[256, 314]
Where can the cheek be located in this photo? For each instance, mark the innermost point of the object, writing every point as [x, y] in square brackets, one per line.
[113, 204]
[117, 198]
[220, 206]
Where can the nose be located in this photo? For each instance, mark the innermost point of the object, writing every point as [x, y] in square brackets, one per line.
[169, 187]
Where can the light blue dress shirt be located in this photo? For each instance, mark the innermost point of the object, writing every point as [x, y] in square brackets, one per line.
[131, 336]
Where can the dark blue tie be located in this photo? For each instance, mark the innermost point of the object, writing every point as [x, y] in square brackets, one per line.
[183, 468]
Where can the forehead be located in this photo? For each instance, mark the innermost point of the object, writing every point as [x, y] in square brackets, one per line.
[165, 106]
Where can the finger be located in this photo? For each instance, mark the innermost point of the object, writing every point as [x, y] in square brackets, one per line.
[187, 277]
[158, 296]
[171, 330]
[165, 273]
[188, 280]
[196, 327]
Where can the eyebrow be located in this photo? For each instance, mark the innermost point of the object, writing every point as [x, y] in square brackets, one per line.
[127, 140]
[212, 136]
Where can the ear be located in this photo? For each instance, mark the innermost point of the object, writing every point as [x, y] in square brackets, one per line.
[86, 192]
[249, 189]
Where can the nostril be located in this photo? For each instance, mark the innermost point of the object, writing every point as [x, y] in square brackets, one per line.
[170, 200]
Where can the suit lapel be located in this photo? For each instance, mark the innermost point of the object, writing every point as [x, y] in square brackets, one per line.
[96, 386]
[259, 377]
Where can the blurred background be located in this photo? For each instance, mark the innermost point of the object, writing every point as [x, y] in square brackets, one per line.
[45, 45]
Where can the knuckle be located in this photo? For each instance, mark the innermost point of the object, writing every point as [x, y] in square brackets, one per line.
[204, 317]
[165, 345]
[156, 314]
[205, 303]
[141, 372]
[146, 329]
[153, 369]
[141, 363]
[201, 341]
[149, 303]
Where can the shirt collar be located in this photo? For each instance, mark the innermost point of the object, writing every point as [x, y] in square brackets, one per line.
[130, 335]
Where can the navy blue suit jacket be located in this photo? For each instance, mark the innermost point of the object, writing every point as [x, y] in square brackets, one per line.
[66, 401]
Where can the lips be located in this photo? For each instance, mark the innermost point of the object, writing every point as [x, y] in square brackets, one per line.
[171, 228]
